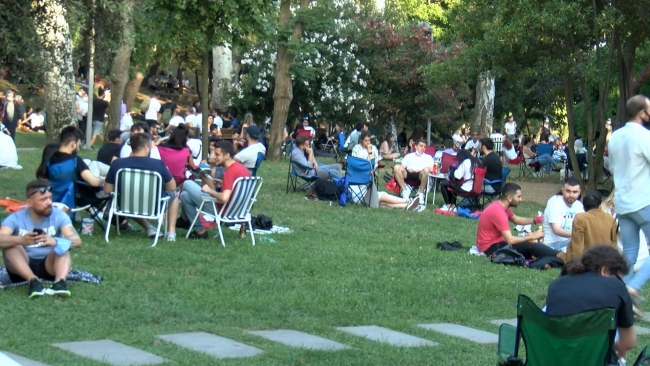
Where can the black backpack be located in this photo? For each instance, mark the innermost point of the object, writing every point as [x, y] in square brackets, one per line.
[325, 190]
[508, 256]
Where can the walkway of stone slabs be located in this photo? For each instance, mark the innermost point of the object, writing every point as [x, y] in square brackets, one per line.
[118, 354]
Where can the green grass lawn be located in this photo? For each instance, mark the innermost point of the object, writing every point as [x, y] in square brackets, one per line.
[339, 267]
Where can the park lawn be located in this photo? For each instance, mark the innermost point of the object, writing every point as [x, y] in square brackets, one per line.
[340, 267]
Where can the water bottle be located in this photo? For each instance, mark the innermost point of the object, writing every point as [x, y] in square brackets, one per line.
[266, 239]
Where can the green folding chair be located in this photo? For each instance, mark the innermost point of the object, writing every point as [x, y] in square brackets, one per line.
[584, 339]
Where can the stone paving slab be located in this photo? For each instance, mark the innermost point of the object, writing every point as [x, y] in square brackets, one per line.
[213, 345]
[294, 338]
[498, 322]
[5, 360]
[22, 361]
[111, 352]
[641, 330]
[456, 330]
[385, 335]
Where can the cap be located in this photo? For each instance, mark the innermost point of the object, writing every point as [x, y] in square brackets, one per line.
[253, 132]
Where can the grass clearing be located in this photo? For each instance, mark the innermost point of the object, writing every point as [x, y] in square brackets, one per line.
[339, 267]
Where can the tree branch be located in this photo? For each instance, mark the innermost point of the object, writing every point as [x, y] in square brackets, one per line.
[640, 79]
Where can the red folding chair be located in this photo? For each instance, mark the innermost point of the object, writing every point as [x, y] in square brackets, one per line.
[430, 150]
[477, 189]
[447, 160]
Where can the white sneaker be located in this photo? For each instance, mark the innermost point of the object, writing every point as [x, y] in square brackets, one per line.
[406, 193]
[444, 208]
[421, 195]
[170, 237]
[420, 208]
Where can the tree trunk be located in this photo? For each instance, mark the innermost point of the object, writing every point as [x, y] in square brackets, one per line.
[121, 64]
[568, 87]
[199, 84]
[221, 75]
[283, 93]
[483, 116]
[179, 76]
[131, 90]
[153, 70]
[54, 39]
[205, 106]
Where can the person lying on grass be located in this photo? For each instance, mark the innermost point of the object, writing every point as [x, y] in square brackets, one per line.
[36, 242]
[494, 233]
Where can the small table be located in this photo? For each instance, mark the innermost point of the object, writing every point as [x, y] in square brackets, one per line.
[433, 178]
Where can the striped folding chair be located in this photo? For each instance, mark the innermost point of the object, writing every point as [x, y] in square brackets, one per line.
[138, 194]
[238, 208]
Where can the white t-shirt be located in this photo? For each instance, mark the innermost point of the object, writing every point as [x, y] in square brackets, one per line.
[458, 140]
[557, 212]
[198, 122]
[629, 159]
[359, 152]
[472, 145]
[126, 151]
[126, 123]
[36, 120]
[464, 172]
[8, 153]
[511, 128]
[176, 120]
[496, 135]
[248, 156]
[417, 162]
[154, 108]
[511, 154]
[195, 146]
[218, 121]
[83, 105]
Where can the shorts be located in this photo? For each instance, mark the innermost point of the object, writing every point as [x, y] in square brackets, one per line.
[98, 128]
[38, 267]
[413, 176]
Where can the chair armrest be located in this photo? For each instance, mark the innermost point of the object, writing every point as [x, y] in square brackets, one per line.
[506, 347]
[487, 181]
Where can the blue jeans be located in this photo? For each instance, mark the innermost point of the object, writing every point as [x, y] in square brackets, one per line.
[545, 160]
[191, 198]
[630, 224]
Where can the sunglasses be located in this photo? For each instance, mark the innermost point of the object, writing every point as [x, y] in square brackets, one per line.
[41, 190]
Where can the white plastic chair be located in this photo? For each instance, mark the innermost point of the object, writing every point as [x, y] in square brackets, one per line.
[138, 194]
[238, 208]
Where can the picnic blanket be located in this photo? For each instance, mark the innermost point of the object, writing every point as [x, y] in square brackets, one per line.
[274, 230]
[74, 275]
[11, 204]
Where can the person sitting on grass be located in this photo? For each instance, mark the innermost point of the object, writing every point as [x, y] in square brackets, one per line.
[461, 180]
[192, 194]
[594, 281]
[386, 148]
[591, 228]
[302, 157]
[142, 143]
[559, 213]
[36, 242]
[415, 167]
[493, 232]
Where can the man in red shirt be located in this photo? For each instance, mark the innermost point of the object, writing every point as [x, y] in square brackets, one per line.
[193, 194]
[494, 227]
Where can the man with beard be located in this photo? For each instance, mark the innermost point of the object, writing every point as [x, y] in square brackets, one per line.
[629, 159]
[559, 213]
[494, 233]
[11, 115]
[36, 242]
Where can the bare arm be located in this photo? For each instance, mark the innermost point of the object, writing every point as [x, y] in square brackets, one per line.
[171, 185]
[626, 340]
[222, 197]
[557, 230]
[523, 221]
[514, 240]
[8, 240]
[89, 178]
[69, 232]
[108, 188]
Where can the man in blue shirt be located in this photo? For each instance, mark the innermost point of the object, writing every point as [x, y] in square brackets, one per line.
[36, 242]
[142, 144]
[302, 157]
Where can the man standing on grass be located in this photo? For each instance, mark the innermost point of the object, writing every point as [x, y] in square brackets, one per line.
[629, 158]
[36, 242]
[153, 114]
[99, 110]
[192, 194]
[493, 232]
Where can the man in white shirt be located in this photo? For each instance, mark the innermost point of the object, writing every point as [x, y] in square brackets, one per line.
[175, 120]
[248, 156]
[196, 147]
[216, 118]
[198, 120]
[152, 116]
[190, 117]
[559, 213]
[81, 104]
[473, 144]
[629, 159]
[415, 166]
[137, 128]
[497, 134]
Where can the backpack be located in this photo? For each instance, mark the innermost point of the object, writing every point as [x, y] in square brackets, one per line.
[144, 106]
[508, 256]
[166, 116]
[325, 190]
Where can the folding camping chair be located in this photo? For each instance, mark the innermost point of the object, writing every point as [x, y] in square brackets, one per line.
[473, 196]
[238, 208]
[585, 339]
[498, 144]
[293, 177]
[74, 196]
[446, 162]
[359, 174]
[488, 197]
[525, 169]
[260, 158]
[138, 194]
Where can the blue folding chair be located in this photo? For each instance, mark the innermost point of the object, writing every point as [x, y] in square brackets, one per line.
[488, 197]
[260, 158]
[359, 173]
[293, 177]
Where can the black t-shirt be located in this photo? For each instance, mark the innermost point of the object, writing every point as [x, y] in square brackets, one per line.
[168, 105]
[107, 152]
[226, 123]
[493, 165]
[573, 294]
[99, 109]
[58, 157]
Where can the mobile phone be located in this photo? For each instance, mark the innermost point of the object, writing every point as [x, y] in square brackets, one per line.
[39, 231]
[203, 173]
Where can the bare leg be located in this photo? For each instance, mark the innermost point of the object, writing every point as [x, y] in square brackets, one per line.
[144, 223]
[392, 201]
[172, 215]
[400, 175]
[424, 178]
[92, 140]
[17, 262]
[57, 266]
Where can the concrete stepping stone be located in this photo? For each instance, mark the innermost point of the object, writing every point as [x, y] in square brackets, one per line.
[20, 360]
[294, 338]
[641, 330]
[498, 322]
[456, 330]
[9, 359]
[385, 335]
[213, 345]
[111, 352]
